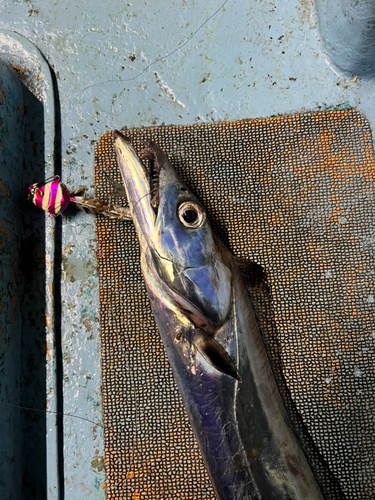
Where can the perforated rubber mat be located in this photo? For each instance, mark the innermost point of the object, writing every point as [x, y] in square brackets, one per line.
[295, 195]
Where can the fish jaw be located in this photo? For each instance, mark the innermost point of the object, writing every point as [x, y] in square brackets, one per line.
[137, 186]
[157, 226]
[140, 190]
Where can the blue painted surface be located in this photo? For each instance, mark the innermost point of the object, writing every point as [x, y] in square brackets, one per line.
[348, 29]
[137, 64]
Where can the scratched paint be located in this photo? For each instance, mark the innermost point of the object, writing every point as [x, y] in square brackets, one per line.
[138, 64]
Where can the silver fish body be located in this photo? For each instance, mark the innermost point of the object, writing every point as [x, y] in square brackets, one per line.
[209, 331]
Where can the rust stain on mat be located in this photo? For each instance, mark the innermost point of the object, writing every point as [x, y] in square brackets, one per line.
[296, 195]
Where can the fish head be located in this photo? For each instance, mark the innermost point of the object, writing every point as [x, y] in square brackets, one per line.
[167, 215]
[182, 233]
[189, 265]
[172, 224]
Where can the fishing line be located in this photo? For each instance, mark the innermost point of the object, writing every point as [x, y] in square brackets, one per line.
[118, 80]
[52, 412]
[162, 58]
[12, 202]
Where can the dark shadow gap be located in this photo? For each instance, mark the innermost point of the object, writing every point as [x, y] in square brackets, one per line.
[33, 307]
[22, 283]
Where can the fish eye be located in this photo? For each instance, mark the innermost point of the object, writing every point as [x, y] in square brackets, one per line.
[191, 215]
[39, 193]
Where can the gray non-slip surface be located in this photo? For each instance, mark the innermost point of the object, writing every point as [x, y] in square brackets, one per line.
[295, 195]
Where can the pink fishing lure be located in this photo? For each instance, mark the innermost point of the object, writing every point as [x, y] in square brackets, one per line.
[52, 197]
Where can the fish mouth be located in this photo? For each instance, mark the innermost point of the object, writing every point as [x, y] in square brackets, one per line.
[136, 180]
[144, 186]
[145, 181]
[149, 154]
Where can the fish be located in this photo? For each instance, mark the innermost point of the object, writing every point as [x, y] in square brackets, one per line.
[209, 330]
[54, 197]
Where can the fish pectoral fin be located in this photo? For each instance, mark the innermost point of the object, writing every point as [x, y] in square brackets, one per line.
[252, 273]
[215, 354]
